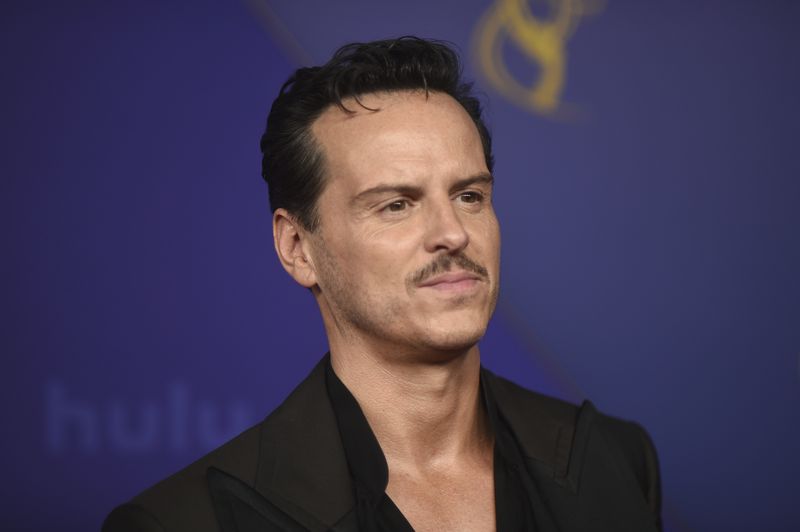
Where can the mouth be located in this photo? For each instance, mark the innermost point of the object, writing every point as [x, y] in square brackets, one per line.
[452, 282]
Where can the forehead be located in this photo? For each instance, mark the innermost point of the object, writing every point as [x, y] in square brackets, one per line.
[408, 135]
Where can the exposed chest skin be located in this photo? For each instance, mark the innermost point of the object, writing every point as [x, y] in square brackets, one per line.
[446, 501]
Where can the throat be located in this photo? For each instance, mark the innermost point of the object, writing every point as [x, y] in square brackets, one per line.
[462, 498]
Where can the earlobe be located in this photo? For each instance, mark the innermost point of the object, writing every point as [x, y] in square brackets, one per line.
[290, 242]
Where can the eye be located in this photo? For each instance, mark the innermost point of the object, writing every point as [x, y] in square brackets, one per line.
[397, 206]
[471, 197]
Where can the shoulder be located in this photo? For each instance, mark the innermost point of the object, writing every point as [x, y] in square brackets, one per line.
[638, 454]
[577, 444]
[272, 454]
[530, 412]
[182, 500]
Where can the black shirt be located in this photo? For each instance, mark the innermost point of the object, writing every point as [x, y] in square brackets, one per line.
[370, 473]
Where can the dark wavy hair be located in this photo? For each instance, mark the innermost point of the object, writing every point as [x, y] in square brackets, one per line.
[293, 163]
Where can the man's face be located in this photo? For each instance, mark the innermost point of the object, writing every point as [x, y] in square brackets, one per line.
[406, 257]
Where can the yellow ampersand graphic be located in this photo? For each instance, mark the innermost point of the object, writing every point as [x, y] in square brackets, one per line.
[542, 40]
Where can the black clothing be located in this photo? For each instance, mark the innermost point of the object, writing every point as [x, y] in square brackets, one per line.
[583, 471]
[376, 511]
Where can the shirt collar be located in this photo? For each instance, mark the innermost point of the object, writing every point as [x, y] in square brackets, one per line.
[365, 457]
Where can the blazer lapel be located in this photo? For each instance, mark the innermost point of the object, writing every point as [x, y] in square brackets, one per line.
[302, 476]
[240, 508]
[578, 478]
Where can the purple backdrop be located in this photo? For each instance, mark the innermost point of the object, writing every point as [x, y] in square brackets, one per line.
[648, 201]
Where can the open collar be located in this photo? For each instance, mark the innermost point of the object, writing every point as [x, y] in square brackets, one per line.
[580, 476]
[303, 467]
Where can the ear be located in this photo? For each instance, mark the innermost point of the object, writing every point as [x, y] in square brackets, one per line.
[291, 241]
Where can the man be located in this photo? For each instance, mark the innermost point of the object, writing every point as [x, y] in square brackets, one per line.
[379, 172]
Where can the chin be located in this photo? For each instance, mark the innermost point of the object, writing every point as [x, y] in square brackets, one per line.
[455, 340]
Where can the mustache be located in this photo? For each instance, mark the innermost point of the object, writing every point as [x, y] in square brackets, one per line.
[445, 264]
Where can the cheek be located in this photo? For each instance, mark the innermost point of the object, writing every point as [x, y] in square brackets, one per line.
[496, 238]
[486, 234]
[393, 244]
[366, 263]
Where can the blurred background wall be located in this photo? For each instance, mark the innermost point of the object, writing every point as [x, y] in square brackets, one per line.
[647, 186]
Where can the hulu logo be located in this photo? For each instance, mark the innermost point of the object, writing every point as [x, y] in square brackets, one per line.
[175, 422]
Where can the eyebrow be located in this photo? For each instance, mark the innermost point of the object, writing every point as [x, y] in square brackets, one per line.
[484, 179]
[412, 190]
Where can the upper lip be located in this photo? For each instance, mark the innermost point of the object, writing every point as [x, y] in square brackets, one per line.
[449, 277]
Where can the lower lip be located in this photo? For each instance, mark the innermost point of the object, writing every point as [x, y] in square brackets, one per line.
[463, 285]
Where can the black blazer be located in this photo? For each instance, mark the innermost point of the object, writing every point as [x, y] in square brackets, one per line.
[590, 471]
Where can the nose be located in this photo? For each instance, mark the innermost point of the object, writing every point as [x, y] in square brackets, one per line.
[445, 229]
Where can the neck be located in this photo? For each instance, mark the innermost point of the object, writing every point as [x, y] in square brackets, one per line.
[426, 416]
